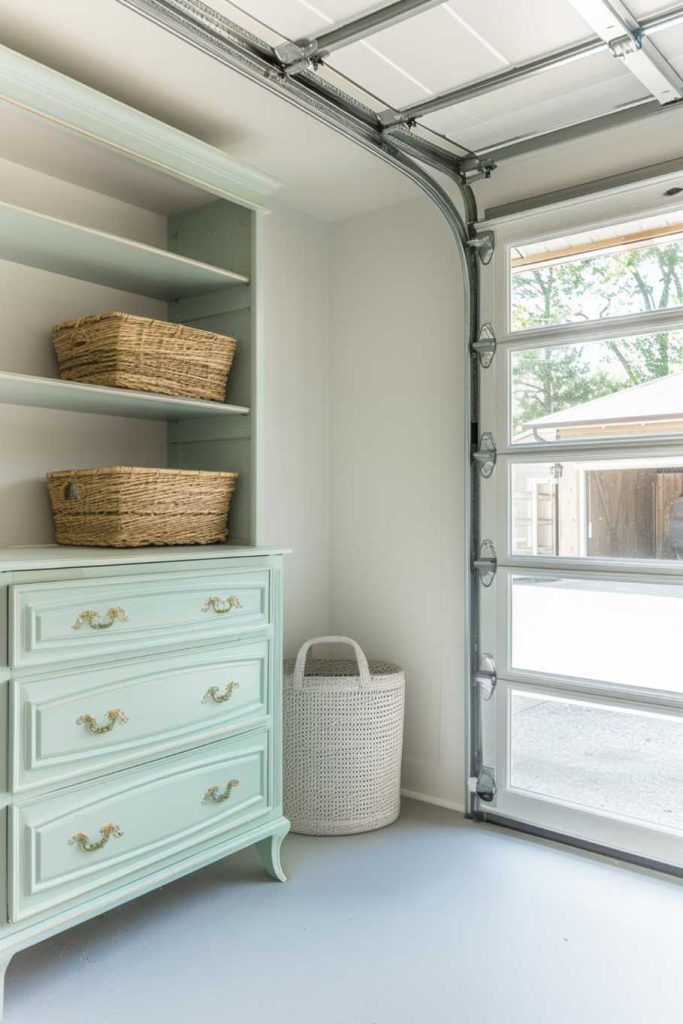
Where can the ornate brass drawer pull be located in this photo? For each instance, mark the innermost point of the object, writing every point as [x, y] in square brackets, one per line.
[113, 716]
[214, 796]
[93, 619]
[216, 604]
[214, 696]
[82, 839]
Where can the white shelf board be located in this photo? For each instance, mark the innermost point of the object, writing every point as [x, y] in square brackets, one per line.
[37, 240]
[49, 393]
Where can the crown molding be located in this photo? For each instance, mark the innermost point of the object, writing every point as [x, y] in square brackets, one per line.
[77, 108]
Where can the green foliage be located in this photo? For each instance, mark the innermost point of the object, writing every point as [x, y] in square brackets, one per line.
[623, 283]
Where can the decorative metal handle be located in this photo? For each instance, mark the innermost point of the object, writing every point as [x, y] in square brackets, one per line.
[214, 796]
[214, 696]
[216, 604]
[93, 619]
[82, 839]
[113, 716]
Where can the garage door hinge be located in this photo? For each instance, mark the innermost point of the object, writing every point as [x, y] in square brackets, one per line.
[485, 345]
[483, 244]
[486, 677]
[486, 565]
[485, 455]
[483, 784]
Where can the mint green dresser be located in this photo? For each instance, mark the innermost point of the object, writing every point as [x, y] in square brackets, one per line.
[141, 704]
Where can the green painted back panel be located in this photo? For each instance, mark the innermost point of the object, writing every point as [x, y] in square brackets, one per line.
[221, 233]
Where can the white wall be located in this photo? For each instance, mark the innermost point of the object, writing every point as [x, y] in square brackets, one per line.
[294, 438]
[397, 552]
[363, 454]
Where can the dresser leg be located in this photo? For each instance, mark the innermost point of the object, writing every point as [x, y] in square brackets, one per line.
[4, 964]
[269, 852]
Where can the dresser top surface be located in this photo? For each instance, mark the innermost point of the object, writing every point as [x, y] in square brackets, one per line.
[54, 556]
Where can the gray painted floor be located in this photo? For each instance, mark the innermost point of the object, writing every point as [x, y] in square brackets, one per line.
[432, 920]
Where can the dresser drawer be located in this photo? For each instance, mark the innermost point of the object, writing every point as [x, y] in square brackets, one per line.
[72, 620]
[99, 836]
[91, 721]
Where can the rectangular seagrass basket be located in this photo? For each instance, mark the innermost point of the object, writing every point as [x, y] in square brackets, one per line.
[130, 507]
[124, 351]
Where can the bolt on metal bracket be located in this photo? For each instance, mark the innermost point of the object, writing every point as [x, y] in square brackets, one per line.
[305, 64]
[483, 243]
[291, 53]
[485, 455]
[486, 565]
[626, 45]
[486, 677]
[485, 345]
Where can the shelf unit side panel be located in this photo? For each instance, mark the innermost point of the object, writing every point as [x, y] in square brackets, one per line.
[220, 233]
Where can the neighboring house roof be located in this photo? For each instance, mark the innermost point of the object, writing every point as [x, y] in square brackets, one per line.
[660, 399]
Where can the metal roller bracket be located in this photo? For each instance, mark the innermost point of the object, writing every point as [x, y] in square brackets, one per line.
[486, 565]
[485, 455]
[483, 243]
[483, 784]
[485, 345]
[486, 677]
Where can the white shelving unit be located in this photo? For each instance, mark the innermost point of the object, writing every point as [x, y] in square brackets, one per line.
[205, 277]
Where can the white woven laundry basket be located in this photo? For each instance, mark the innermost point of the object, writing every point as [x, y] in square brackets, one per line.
[343, 738]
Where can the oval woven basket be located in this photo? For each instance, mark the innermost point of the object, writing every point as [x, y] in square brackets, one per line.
[343, 740]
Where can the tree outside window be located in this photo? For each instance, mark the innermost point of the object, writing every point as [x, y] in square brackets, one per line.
[594, 287]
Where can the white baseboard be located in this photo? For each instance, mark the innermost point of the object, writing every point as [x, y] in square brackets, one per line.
[437, 801]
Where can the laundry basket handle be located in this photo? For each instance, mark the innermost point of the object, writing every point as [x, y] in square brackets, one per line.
[300, 663]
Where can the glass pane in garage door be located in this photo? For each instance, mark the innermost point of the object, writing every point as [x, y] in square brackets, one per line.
[599, 508]
[618, 270]
[608, 630]
[614, 388]
[604, 758]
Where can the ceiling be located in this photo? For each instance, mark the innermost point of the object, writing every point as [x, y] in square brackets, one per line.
[110, 48]
[113, 49]
[461, 41]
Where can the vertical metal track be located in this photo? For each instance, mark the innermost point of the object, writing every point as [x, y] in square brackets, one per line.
[473, 748]
[224, 41]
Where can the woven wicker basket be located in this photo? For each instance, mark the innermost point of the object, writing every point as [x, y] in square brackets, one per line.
[130, 507]
[343, 739]
[123, 351]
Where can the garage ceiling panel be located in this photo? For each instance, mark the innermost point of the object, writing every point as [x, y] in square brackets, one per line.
[591, 101]
[670, 43]
[433, 51]
[523, 29]
[569, 84]
[290, 18]
[379, 75]
[464, 41]
[644, 8]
